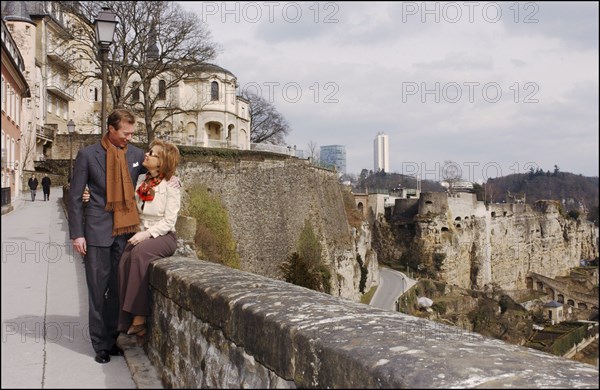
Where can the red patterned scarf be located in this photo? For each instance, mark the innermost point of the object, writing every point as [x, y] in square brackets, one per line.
[146, 189]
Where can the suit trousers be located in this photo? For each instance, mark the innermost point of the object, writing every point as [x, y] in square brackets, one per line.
[101, 267]
[134, 289]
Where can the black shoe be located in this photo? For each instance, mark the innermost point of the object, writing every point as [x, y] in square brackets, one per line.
[116, 351]
[102, 357]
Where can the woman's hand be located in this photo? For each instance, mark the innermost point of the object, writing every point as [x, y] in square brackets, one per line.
[139, 237]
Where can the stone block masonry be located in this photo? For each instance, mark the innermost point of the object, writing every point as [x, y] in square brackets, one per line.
[216, 327]
[268, 202]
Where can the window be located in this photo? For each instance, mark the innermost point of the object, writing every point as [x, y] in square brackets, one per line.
[135, 95]
[162, 89]
[214, 91]
[11, 102]
[3, 95]
[18, 113]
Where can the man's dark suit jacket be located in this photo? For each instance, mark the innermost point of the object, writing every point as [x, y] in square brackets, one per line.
[90, 169]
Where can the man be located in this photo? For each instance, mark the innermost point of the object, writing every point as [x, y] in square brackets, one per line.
[46, 183]
[33, 183]
[110, 169]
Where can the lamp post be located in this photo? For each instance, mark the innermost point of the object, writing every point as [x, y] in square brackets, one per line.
[71, 129]
[105, 25]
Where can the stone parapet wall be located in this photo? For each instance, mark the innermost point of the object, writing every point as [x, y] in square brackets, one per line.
[465, 205]
[61, 147]
[405, 209]
[215, 327]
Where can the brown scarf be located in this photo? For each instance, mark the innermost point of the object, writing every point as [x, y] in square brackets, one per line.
[120, 197]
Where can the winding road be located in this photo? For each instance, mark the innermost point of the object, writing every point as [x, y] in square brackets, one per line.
[392, 284]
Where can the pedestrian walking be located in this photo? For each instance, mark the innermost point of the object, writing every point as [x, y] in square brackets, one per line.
[46, 183]
[33, 183]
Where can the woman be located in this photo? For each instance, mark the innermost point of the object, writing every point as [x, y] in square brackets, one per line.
[158, 205]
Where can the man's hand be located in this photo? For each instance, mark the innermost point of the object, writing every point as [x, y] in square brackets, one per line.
[86, 195]
[80, 245]
[139, 237]
[174, 182]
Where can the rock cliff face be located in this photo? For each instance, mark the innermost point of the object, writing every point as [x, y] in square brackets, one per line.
[268, 202]
[464, 242]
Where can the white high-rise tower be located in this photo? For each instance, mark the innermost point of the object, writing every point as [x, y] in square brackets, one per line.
[381, 152]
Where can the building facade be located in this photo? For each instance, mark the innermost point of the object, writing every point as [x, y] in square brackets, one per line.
[15, 90]
[334, 156]
[381, 153]
[203, 109]
[215, 115]
[39, 30]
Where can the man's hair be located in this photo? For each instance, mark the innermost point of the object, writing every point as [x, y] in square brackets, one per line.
[169, 157]
[118, 115]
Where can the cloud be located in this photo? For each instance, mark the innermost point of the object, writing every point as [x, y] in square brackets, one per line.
[574, 24]
[469, 81]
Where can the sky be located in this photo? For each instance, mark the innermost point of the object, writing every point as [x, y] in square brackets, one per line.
[495, 88]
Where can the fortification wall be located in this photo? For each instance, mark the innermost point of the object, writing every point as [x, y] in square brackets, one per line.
[501, 243]
[268, 202]
[481, 245]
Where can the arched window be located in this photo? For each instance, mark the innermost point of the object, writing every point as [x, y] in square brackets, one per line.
[214, 91]
[135, 95]
[162, 89]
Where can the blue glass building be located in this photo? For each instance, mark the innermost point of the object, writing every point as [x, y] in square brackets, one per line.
[334, 156]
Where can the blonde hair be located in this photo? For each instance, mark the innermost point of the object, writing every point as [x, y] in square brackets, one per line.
[169, 157]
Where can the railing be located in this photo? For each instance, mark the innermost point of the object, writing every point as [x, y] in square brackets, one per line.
[281, 149]
[180, 139]
[5, 196]
[46, 133]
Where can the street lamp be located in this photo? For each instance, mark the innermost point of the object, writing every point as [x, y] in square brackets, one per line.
[105, 25]
[71, 129]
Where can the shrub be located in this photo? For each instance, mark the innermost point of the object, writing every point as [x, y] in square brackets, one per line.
[305, 267]
[296, 270]
[214, 240]
[438, 260]
[363, 274]
[439, 307]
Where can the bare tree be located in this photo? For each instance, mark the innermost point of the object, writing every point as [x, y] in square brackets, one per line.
[313, 151]
[267, 124]
[452, 174]
[157, 45]
[28, 143]
[490, 191]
